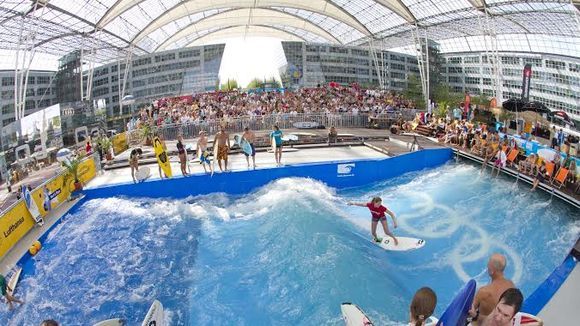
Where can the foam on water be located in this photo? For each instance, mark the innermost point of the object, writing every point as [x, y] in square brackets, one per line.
[289, 252]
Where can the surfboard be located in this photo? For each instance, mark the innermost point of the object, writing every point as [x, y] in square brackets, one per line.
[143, 173]
[354, 316]
[456, 312]
[31, 205]
[111, 322]
[155, 316]
[243, 144]
[522, 318]
[215, 157]
[14, 280]
[162, 158]
[404, 244]
[290, 138]
[47, 202]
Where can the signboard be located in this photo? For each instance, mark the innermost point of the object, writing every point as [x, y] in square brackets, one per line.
[526, 82]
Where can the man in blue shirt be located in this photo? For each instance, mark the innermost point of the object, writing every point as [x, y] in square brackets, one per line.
[276, 135]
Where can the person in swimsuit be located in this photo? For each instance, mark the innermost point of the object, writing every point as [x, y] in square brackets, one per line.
[222, 139]
[182, 153]
[378, 214]
[541, 175]
[277, 136]
[134, 161]
[202, 151]
[250, 137]
[5, 288]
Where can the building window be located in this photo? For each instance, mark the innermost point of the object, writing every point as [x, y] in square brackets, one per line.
[454, 60]
[555, 64]
[471, 60]
[7, 81]
[472, 80]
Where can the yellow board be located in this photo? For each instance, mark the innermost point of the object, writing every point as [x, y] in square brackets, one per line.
[13, 226]
[16, 222]
[120, 143]
[162, 158]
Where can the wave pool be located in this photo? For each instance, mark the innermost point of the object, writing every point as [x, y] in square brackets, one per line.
[290, 252]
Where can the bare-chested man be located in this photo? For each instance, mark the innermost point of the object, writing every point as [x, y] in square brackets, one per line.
[222, 139]
[250, 137]
[487, 297]
[202, 151]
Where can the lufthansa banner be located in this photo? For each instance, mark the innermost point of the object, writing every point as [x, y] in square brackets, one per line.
[13, 226]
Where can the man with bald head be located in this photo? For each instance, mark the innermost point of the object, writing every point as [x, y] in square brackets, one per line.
[488, 296]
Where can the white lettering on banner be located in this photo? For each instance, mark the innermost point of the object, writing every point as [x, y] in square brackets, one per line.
[345, 170]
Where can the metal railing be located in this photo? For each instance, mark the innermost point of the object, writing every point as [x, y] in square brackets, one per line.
[267, 122]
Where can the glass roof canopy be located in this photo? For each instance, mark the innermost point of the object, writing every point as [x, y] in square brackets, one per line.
[106, 29]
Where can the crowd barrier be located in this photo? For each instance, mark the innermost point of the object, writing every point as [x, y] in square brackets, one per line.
[335, 174]
[266, 122]
[16, 221]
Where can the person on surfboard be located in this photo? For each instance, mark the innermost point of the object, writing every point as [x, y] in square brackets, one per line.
[378, 214]
[4, 288]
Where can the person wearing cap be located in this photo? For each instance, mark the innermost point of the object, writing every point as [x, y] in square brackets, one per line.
[202, 151]
[250, 137]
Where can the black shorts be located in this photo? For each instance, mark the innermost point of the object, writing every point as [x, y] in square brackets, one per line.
[253, 151]
[382, 218]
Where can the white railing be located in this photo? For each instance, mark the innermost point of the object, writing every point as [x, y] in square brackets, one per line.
[261, 123]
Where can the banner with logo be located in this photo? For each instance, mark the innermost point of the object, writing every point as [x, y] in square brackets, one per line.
[120, 143]
[13, 226]
[16, 222]
[526, 82]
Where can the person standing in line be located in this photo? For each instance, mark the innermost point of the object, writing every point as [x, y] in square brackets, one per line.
[276, 135]
[250, 137]
[202, 151]
[222, 141]
[134, 161]
[182, 153]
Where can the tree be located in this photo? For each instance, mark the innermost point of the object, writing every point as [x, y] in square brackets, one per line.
[273, 83]
[229, 85]
[480, 100]
[414, 91]
[444, 97]
[255, 83]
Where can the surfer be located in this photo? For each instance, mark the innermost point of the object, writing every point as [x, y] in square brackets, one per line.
[250, 137]
[222, 140]
[134, 161]
[181, 152]
[202, 151]
[276, 135]
[422, 306]
[488, 296]
[378, 213]
[5, 288]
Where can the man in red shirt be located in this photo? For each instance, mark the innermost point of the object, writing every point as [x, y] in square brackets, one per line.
[378, 214]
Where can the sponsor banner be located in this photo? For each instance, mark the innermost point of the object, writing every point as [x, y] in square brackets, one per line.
[526, 82]
[14, 224]
[345, 170]
[120, 143]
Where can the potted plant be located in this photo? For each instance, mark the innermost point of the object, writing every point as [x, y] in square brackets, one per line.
[147, 134]
[72, 168]
[106, 146]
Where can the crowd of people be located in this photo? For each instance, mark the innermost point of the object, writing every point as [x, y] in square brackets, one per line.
[478, 138]
[225, 106]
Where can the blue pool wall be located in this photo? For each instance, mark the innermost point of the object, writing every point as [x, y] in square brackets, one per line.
[339, 174]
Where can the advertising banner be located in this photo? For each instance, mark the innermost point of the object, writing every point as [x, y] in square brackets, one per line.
[13, 226]
[526, 82]
[120, 143]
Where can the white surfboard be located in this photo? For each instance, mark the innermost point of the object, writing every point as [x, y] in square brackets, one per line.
[155, 316]
[215, 156]
[143, 173]
[274, 144]
[14, 280]
[290, 138]
[353, 315]
[111, 322]
[404, 244]
[31, 205]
